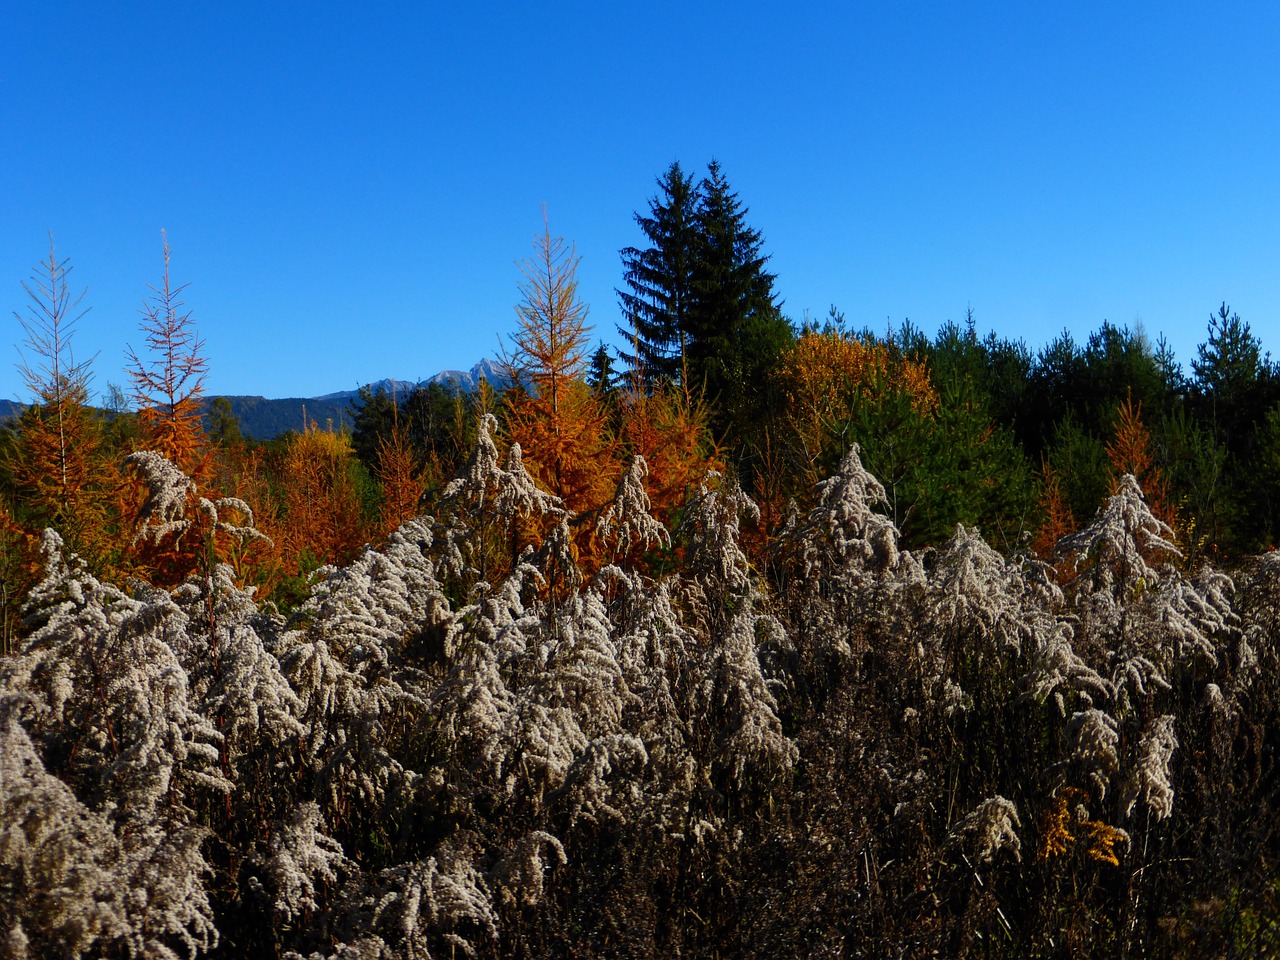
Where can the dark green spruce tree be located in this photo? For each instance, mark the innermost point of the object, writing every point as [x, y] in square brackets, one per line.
[601, 377]
[700, 307]
[658, 280]
[736, 329]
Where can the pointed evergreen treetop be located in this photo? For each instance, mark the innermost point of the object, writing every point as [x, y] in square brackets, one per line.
[659, 279]
[733, 292]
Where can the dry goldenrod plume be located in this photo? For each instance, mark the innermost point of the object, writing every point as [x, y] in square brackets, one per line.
[1153, 616]
[992, 827]
[1096, 738]
[469, 741]
[1150, 779]
[627, 522]
[493, 512]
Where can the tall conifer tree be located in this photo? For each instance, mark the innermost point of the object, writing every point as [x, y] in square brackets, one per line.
[736, 329]
[659, 279]
[1227, 374]
[56, 464]
[168, 386]
[551, 412]
[700, 302]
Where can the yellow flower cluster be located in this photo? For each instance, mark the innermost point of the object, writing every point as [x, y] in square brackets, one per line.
[1056, 837]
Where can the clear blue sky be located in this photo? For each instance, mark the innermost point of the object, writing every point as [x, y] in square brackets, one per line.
[347, 187]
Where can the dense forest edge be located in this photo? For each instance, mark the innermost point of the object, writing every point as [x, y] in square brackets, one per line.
[754, 638]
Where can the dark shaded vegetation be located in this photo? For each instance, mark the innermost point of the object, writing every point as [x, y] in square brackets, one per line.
[942, 753]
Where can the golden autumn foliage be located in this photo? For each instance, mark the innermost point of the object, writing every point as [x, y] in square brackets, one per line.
[822, 375]
[1056, 837]
[58, 471]
[822, 371]
[1130, 452]
[1098, 839]
[560, 424]
[1057, 520]
[168, 384]
[322, 518]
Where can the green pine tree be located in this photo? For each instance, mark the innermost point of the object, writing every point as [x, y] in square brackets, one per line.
[1227, 375]
[373, 413]
[601, 377]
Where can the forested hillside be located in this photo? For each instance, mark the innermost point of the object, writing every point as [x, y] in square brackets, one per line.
[752, 639]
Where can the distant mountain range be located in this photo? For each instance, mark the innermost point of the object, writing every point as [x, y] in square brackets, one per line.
[467, 381]
[262, 418]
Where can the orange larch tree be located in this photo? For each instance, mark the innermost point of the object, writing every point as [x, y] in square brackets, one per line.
[1130, 452]
[670, 429]
[560, 424]
[1057, 520]
[57, 469]
[244, 473]
[402, 479]
[323, 517]
[168, 386]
